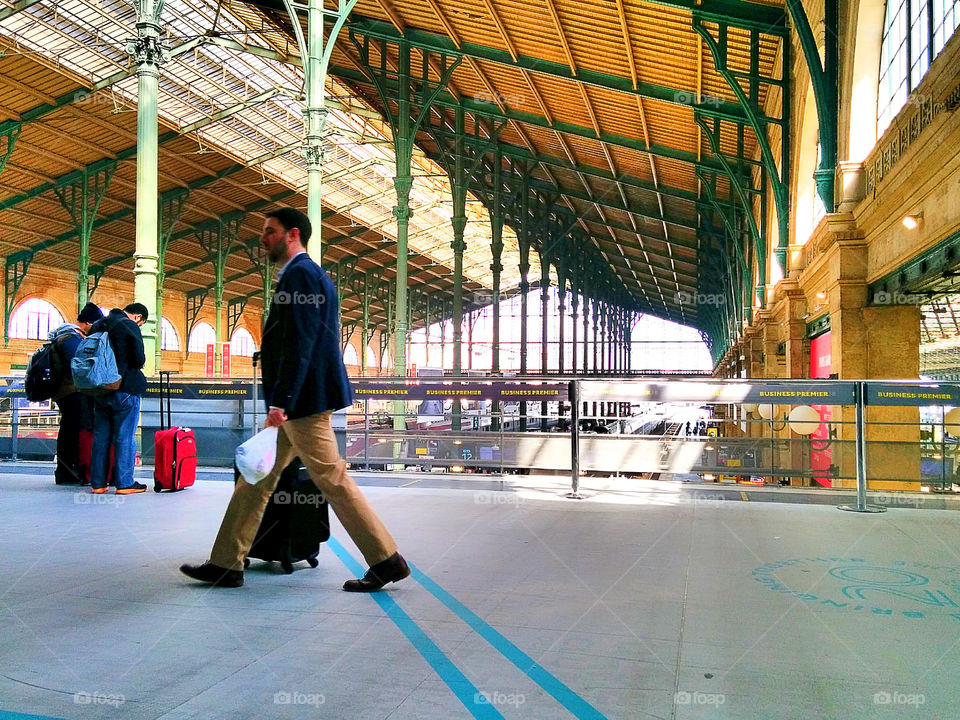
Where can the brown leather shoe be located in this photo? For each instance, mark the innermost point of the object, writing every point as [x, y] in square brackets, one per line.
[393, 569]
[213, 575]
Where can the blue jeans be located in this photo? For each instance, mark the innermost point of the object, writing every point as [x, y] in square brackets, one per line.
[115, 419]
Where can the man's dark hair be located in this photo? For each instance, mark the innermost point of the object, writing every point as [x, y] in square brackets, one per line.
[291, 218]
[137, 309]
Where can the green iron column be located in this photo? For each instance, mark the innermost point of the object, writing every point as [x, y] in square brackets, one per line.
[544, 328]
[365, 324]
[562, 307]
[458, 187]
[170, 209]
[496, 267]
[523, 239]
[408, 94]
[316, 51]
[574, 306]
[217, 242]
[148, 53]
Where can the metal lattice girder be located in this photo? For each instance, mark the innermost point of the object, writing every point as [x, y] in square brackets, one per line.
[749, 102]
[476, 107]
[438, 43]
[128, 154]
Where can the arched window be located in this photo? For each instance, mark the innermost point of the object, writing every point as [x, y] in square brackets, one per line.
[350, 356]
[908, 49]
[241, 344]
[386, 363]
[202, 335]
[371, 357]
[34, 319]
[168, 336]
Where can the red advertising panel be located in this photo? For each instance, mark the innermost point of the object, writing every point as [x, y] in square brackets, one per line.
[820, 364]
[211, 352]
[225, 359]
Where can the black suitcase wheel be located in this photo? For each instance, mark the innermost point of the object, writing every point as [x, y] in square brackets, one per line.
[313, 561]
[156, 486]
[287, 567]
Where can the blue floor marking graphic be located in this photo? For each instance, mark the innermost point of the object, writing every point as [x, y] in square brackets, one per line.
[466, 692]
[579, 707]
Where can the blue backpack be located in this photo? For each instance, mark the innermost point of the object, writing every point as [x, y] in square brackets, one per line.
[94, 367]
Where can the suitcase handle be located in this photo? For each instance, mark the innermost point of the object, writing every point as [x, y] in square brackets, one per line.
[168, 421]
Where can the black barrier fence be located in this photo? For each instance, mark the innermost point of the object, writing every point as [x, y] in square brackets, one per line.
[820, 433]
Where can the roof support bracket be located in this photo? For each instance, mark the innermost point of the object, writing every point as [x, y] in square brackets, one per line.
[15, 271]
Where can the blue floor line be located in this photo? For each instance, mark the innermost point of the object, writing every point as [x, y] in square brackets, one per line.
[465, 691]
[7, 715]
[579, 707]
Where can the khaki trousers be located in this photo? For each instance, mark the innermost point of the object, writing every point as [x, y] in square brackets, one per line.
[312, 440]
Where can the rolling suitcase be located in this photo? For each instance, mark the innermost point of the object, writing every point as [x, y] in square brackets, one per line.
[295, 522]
[175, 450]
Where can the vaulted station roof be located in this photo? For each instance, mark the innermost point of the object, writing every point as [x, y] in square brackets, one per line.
[640, 128]
[637, 124]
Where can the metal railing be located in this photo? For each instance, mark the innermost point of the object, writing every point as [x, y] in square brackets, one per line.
[898, 432]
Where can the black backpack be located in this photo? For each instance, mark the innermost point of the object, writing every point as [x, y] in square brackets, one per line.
[45, 373]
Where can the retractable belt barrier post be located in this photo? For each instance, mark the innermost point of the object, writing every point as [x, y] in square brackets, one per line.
[574, 493]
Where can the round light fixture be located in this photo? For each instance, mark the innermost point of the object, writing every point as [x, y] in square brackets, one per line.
[804, 420]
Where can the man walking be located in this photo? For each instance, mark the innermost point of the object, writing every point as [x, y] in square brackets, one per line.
[304, 380]
[117, 413]
[71, 403]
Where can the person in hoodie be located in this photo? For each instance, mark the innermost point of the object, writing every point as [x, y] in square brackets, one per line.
[117, 413]
[71, 404]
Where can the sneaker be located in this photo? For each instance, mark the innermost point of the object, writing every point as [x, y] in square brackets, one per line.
[130, 490]
[98, 491]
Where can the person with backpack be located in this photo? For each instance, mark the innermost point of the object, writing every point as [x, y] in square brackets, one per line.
[73, 405]
[117, 411]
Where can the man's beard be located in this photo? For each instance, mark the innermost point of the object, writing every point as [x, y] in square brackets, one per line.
[275, 253]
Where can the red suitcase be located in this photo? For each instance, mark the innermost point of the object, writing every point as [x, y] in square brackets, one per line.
[174, 451]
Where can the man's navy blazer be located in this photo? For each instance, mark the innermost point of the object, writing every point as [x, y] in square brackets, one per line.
[303, 370]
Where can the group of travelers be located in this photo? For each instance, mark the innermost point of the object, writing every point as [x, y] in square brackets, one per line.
[96, 428]
[698, 428]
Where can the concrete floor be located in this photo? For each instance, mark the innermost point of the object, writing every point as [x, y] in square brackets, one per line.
[648, 600]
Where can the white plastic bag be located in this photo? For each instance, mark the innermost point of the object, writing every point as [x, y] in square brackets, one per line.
[257, 456]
